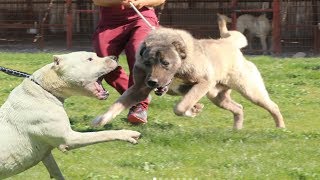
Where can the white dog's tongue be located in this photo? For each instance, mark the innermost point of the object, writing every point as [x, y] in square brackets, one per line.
[101, 93]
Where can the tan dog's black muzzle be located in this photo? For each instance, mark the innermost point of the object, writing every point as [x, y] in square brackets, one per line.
[152, 83]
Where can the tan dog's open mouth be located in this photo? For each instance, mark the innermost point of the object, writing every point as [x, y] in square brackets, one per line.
[159, 91]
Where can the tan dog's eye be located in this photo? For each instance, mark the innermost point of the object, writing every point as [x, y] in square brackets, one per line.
[89, 59]
[147, 63]
[163, 62]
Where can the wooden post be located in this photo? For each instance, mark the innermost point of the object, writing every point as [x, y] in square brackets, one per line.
[316, 41]
[234, 14]
[69, 23]
[316, 29]
[276, 28]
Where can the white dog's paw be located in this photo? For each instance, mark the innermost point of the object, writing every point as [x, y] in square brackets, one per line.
[128, 135]
[63, 147]
[101, 120]
[195, 110]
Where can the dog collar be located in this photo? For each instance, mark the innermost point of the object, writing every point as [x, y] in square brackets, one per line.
[59, 98]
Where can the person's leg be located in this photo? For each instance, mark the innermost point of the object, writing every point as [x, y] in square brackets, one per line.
[112, 42]
[138, 113]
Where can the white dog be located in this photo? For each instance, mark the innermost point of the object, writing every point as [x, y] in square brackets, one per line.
[257, 27]
[33, 120]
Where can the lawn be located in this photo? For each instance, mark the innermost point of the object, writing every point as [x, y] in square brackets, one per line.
[204, 147]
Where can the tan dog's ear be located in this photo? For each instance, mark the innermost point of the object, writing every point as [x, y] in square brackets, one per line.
[180, 49]
[143, 48]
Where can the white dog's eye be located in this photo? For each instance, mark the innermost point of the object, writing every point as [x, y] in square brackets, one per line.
[89, 59]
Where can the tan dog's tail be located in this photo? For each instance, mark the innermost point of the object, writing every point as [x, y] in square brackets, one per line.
[236, 37]
[222, 22]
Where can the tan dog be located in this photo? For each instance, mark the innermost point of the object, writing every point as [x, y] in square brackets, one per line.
[237, 37]
[257, 27]
[194, 68]
[33, 120]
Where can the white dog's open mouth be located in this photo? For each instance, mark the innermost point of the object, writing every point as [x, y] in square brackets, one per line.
[99, 91]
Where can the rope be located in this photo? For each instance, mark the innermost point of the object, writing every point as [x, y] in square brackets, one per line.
[14, 72]
[141, 16]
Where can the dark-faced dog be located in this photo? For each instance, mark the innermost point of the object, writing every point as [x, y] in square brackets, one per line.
[171, 60]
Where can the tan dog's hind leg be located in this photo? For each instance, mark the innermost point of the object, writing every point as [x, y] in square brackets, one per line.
[251, 86]
[187, 106]
[223, 100]
[52, 167]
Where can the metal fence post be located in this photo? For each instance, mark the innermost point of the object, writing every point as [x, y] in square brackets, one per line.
[69, 23]
[276, 28]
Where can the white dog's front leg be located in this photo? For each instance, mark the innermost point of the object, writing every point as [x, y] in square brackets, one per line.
[52, 167]
[76, 139]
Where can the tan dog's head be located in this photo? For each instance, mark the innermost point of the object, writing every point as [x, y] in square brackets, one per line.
[160, 56]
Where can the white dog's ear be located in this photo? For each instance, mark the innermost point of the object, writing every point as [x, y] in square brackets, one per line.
[180, 49]
[56, 60]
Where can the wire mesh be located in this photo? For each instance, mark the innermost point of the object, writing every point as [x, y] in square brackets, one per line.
[72, 22]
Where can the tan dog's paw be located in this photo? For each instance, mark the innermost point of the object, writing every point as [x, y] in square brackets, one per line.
[101, 120]
[195, 110]
[128, 135]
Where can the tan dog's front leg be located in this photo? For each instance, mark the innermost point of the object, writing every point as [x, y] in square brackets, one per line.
[129, 98]
[189, 106]
[136, 93]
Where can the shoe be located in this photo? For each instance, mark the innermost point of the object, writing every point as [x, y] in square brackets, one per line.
[138, 114]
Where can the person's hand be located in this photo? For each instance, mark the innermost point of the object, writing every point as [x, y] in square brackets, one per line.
[125, 3]
[137, 3]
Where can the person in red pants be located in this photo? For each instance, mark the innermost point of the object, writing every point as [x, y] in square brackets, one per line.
[119, 29]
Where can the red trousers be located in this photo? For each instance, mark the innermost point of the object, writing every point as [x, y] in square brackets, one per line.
[113, 39]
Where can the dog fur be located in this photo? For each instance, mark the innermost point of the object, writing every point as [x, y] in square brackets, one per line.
[33, 120]
[237, 37]
[194, 68]
[259, 26]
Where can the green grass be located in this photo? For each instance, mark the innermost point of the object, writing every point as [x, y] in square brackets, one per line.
[204, 147]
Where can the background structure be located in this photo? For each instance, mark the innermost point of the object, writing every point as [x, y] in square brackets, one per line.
[70, 23]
